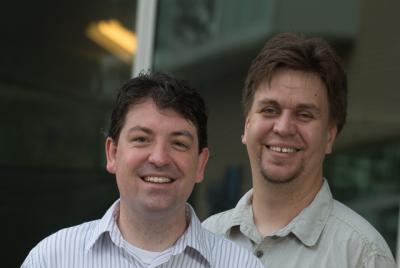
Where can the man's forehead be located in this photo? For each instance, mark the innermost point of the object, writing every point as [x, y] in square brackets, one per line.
[150, 131]
[161, 108]
[141, 112]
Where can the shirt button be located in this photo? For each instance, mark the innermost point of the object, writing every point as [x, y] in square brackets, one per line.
[259, 253]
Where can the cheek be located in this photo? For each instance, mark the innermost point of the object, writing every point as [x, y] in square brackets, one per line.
[259, 130]
[317, 138]
[133, 156]
[188, 165]
[127, 161]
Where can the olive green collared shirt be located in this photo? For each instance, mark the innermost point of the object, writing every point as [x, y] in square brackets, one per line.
[324, 234]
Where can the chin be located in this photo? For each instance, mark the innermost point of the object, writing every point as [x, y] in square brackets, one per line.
[161, 206]
[280, 178]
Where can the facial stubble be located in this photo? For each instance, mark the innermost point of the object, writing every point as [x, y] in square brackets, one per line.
[279, 180]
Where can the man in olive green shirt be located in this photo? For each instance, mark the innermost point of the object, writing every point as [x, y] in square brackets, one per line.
[295, 102]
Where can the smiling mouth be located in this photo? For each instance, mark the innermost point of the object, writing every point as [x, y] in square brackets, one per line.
[157, 180]
[280, 149]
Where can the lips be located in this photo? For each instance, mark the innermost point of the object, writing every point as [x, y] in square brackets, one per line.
[157, 179]
[150, 173]
[283, 149]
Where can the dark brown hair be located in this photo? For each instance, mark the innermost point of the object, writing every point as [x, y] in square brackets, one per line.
[167, 92]
[297, 52]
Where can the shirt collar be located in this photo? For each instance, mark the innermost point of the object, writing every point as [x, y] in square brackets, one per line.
[106, 224]
[242, 217]
[194, 236]
[307, 226]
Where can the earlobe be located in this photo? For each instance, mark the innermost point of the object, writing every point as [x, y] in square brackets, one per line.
[203, 159]
[244, 135]
[111, 151]
[332, 132]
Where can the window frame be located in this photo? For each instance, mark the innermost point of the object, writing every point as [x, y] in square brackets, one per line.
[145, 28]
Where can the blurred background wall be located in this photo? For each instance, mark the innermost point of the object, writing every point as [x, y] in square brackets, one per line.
[61, 63]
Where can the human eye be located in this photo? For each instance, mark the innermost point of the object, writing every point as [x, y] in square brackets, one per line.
[139, 140]
[305, 116]
[270, 111]
[181, 145]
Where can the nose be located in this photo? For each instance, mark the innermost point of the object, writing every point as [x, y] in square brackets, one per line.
[159, 155]
[284, 125]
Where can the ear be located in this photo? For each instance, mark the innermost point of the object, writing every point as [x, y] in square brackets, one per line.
[246, 125]
[111, 152]
[203, 159]
[332, 132]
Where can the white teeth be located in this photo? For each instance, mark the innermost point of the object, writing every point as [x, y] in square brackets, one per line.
[282, 149]
[158, 179]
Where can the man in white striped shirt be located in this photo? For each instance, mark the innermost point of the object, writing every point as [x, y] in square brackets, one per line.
[157, 149]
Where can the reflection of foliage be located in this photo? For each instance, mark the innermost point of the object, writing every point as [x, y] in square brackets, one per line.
[192, 20]
[364, 170]
[367, 179]
[366, 166]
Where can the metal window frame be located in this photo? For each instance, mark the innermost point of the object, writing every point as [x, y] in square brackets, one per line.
[145, 28]
[398, 241]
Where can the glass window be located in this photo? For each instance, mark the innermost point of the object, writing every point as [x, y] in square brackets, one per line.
[366, 179]
[61, 64]
[212, 43]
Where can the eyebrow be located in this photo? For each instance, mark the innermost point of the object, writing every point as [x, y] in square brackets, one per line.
[146, 130]
[184, 133]
[308, 106]
[267, 101]
[139, 128]
[301, 106]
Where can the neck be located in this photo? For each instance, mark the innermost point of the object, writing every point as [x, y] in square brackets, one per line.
[151, 232]
[276, 205]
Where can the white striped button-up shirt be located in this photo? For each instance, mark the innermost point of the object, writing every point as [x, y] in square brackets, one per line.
[100, 244]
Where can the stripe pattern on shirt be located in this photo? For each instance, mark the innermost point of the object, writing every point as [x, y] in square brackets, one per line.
[100, 244]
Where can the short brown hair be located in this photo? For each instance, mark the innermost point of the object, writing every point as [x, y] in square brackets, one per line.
[297, 52]
[167, 92]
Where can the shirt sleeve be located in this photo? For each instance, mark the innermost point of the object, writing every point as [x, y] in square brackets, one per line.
[215, 223]
[32, 262]
[379, 261]
[36, 257]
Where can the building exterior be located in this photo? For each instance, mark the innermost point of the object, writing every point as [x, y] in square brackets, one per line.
[59, 74]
